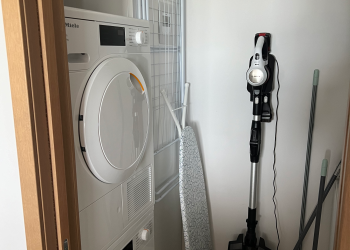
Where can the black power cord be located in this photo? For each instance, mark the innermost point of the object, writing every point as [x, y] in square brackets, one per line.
[274, 159]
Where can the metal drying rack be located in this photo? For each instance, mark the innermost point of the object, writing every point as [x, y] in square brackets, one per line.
[179, 126]
[166, 21]
[168, 76]
[173, 182]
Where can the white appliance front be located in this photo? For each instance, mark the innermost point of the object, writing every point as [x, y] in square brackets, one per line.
[112, 121]
[114, 144]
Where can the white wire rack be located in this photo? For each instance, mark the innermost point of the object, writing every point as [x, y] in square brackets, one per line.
[165, 40]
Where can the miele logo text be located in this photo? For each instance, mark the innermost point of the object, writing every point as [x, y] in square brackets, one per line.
[72, 25]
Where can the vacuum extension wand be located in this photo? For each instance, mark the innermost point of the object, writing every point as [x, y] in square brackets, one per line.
[260, 84]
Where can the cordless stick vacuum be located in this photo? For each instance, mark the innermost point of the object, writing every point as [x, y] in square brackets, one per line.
[260, 84]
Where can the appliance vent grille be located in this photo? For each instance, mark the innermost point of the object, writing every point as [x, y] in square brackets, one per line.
[150, 226]
[139, 193]
[138, 242]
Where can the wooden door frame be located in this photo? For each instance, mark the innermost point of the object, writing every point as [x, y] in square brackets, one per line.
[342, 239]
[39, 78]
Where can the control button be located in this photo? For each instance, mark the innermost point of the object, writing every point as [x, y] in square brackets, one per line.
[256, 100]
[144, 234]
[140, 37]
[257, 56]
[266, 99]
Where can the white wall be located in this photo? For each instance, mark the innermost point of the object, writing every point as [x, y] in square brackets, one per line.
[12, 235]
[306, 35]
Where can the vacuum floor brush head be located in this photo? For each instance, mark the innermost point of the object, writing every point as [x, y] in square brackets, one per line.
[238, 244]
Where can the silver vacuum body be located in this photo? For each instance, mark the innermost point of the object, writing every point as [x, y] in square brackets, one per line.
[258, 73]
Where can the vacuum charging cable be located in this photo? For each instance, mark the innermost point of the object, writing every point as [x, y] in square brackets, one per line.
[274, 158]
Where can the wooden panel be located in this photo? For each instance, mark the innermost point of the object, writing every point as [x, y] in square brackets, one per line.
[29, 108]
[49, 57]
[343, 222]
[37, 55]
[67, 123]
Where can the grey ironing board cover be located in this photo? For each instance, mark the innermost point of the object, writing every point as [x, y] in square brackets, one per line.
[194, 209]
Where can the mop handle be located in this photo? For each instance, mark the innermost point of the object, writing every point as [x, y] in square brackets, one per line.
[308, 150]
[319, 204]
[313, 215]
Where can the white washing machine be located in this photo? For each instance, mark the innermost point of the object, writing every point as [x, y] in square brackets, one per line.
[109, 69]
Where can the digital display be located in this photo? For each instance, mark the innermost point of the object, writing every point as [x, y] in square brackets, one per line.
[128, 246]
[112, 35]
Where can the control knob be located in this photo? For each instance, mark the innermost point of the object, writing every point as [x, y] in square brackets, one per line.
[144, 234]
[140, 37]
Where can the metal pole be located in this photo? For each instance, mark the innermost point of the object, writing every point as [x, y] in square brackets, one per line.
[137, 9]
[253, 185]
[313, 215]
[178, 126]
[319, 205]
[308, 151]
[146, 17]
[143, 10]
[183, 51]
[250, 239]
[184, 110]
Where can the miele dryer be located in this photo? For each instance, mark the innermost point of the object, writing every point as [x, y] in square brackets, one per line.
[109, 69]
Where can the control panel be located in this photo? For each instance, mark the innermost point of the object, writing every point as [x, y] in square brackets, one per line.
[89, 40]
[112, 35]
[137, 36]
[123, 39]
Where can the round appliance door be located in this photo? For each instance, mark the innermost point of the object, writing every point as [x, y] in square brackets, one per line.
[114, 120]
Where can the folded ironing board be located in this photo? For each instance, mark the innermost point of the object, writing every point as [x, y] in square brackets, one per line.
[194, 209]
